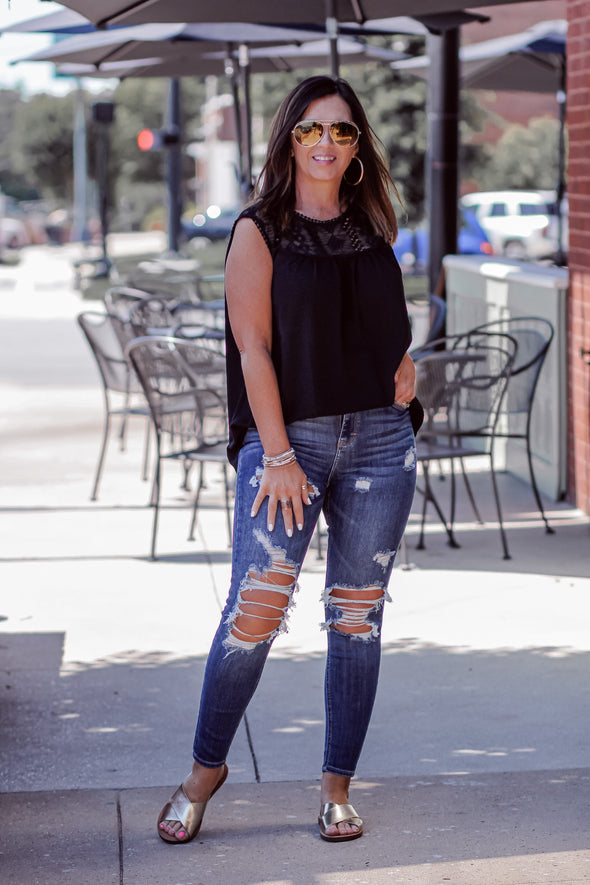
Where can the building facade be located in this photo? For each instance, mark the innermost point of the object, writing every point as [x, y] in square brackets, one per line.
[578, 118]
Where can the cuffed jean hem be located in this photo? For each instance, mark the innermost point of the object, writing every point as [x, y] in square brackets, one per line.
[208, 764]
[329, 769]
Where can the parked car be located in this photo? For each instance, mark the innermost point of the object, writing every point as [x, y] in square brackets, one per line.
[517, 223]
[411, 246]
[214, 224]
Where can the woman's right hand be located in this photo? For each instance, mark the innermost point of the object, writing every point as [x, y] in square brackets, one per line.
[288, 488]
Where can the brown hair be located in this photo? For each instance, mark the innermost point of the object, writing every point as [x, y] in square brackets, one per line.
[276, 184]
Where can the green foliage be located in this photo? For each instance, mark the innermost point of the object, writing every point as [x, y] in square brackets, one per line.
[524, 157]
[136, 176]
[42, 143]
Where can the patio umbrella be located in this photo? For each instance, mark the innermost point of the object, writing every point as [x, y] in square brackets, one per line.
[163, 40]
[308, 12]
[64, 21]
[531, 61]
[328, 13]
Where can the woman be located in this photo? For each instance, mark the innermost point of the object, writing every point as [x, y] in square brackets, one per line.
[319, 388]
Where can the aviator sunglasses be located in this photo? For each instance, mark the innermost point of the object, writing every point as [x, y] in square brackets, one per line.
[308, 133]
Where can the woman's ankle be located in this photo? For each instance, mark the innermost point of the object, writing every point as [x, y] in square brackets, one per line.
[334, 788]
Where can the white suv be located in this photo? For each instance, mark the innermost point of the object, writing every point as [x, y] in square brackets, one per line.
[517, 223]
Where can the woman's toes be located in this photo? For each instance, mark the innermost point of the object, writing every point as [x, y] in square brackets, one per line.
[174, 828]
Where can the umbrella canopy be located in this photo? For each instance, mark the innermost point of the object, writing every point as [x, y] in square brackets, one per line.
[64, 21]
[270, 11]
[531, 61]
[262, 60]
[162, 41]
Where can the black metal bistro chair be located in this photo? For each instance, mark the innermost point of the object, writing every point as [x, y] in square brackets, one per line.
[461, 383]
[533, 336]
[123, 394]
[184, 384]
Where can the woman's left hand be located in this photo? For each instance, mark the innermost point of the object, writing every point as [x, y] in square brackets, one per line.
[405, 380]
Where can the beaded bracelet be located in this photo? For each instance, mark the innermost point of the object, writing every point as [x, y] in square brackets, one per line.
[279, 460]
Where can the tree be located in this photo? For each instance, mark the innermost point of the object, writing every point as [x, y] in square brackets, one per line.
[42, 145]
[525, 157]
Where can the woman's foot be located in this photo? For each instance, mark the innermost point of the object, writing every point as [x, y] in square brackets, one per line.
[197, 788]
[334, 790]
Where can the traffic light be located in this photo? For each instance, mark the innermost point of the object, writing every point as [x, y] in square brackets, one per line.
[157, 139]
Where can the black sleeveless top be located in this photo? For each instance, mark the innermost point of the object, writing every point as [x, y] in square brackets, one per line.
[339, 321]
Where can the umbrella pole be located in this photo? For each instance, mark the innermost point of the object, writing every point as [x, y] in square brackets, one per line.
[232, 73]
[443, 149]
[332, 32]
[561, 98]
[244, 60]
[173, 166]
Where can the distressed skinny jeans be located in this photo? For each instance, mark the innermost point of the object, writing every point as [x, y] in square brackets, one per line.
[362, 470]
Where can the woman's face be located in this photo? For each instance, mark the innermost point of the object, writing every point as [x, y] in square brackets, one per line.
[325, 161]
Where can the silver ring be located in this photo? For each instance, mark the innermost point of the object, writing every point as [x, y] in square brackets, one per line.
[305, 486]
[285, 502]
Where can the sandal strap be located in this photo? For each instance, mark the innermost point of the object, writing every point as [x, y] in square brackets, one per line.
[180, 808]
[332, 814]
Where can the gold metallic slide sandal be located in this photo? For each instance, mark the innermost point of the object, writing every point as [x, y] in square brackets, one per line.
[189, 814]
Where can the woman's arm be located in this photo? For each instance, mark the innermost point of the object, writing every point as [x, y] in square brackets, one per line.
[405, 380]
[248, 278]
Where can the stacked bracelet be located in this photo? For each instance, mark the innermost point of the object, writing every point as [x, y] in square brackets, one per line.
[279, 460]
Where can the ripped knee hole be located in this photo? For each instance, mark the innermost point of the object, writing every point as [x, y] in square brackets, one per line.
[354, 605]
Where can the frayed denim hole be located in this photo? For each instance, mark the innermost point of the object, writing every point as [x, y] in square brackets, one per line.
[261, 580]
[347, 614]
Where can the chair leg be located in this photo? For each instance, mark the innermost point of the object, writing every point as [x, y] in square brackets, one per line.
[146, 451]
[469, 491]
[548, 529]
[101, 456]
[123, 428]
[156, 505]
[227, 506]
[428, 495]
[451, 525]
[186, 469]
[191, 533]
[498, 508]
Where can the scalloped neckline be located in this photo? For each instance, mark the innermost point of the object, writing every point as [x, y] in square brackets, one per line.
[320, 220]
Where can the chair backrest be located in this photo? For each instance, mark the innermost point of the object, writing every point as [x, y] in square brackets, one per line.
[152, 314]
[119, 300]
[167, 278]
[533, 336]
[184, 383]
[427, 317]
[462, 383]
[115, 372]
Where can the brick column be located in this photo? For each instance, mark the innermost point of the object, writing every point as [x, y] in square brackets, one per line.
[578, 119]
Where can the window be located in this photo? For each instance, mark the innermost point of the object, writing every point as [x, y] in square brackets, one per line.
[532, 209]
[497, 209]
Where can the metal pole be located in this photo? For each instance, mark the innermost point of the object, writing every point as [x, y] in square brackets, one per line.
[173, 165]
[232, 73]
[79, 229]
[332, 32]
[244, 60]
[103, 150]
[562, 100]
[442, 179]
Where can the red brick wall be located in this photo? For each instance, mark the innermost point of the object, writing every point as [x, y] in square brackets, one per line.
[578, 116]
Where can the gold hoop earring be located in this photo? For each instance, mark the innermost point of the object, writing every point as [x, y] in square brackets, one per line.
[360, 178]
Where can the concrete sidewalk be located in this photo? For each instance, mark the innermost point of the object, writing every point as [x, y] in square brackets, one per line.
[476, 766]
